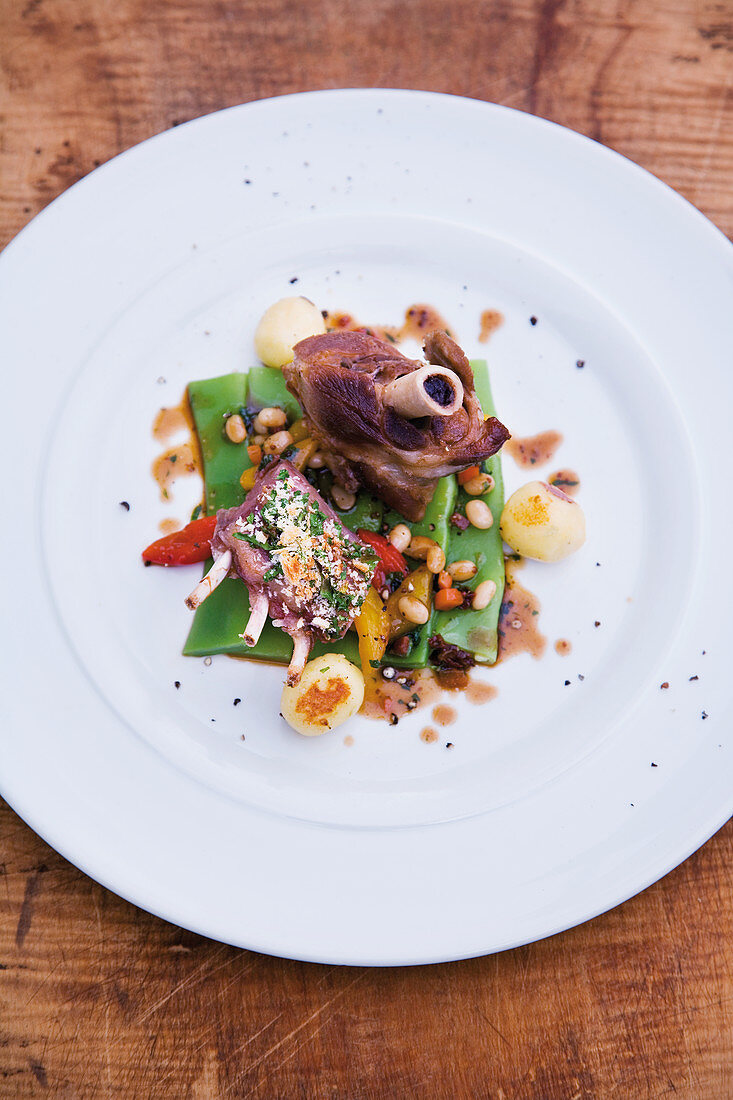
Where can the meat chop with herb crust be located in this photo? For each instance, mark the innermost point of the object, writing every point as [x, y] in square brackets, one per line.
[301, 566]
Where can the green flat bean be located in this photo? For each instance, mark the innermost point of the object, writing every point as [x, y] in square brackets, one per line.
[477, 631]
[212, 401]
[267, 388]
[221, 618]
[433, 525]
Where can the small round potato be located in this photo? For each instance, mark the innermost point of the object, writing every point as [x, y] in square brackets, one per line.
[540, 521]
[282, 326]
[330, 691]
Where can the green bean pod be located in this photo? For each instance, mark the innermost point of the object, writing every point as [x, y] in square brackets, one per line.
[435, 524]
[477, 631]
[267, 389]
[221, 618]
[219, 621]
[212, 401]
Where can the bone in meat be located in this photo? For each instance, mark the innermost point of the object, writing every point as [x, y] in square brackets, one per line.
[340, 379]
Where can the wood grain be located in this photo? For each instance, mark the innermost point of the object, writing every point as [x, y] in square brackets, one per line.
[98, 999]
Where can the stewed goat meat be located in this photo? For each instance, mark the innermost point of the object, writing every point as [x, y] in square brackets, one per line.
[344, 382]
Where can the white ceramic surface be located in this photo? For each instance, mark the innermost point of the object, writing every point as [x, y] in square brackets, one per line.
[546, 810]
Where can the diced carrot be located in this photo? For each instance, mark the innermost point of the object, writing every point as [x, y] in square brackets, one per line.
[255, 453]
[466, 475]
[448, 598]
[445, 580]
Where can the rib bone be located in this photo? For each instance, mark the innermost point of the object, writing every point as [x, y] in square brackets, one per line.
[257, 619]
[212, 580]
[301, 648]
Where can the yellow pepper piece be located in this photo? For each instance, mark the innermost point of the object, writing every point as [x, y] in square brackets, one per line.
[247, 479]
[372, 627]
[298, 430]
[418, 584]
[303, 451]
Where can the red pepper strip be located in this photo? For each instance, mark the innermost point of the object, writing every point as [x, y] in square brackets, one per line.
[390, 559]
[184, 547]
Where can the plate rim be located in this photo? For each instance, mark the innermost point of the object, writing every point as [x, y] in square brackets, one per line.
[712, 823]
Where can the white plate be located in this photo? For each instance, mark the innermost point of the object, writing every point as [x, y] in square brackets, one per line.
[548, 808]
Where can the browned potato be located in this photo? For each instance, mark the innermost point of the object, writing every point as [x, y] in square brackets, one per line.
[330, 691]
[282, 326]
[540, 521]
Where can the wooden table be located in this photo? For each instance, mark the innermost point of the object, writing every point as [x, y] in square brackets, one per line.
[98, 999]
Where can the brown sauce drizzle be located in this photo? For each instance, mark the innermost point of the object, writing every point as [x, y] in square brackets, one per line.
[563, 647]
[389, 700]
[567, 480]
[518, 621]
[452, 679]
[429, 735]
[420, 319]
[168, 526]
[181, 461]
[169, 421]
[346, 322]
[491, 320]
[533, 450]
[178, 461]
[411, 689]
[479, 693]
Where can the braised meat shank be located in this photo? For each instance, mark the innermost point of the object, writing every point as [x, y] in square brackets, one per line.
[341, 380]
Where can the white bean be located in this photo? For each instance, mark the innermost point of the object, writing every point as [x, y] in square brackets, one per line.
[235, 429]
[342, 498]
[462, 570]
[413, 610]
[400, 536]
[483, 595]
[479, 514]
[276, 444]
[477, 486]
[435, 559]
[272, 417]
[419, 547]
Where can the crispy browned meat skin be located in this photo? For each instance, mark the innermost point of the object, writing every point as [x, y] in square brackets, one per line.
[338, 379]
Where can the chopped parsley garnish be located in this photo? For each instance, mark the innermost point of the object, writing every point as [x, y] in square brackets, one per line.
[247, 416]
[316, 520]
[328, 571]
[251, 539]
